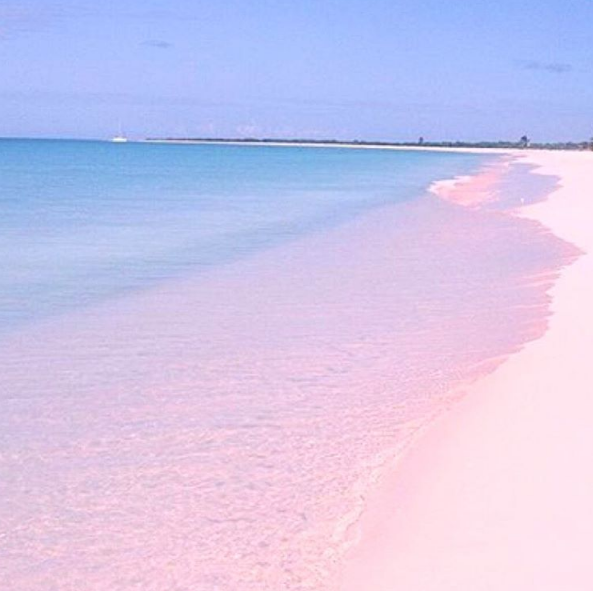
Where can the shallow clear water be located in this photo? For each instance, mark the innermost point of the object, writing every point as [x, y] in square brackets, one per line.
[81, 221]
[218, 431]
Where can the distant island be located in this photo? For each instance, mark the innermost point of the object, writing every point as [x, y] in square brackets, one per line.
[523, 143]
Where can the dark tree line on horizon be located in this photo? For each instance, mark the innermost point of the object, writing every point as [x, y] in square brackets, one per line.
[524, 142]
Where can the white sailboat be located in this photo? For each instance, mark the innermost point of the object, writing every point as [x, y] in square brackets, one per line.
[120, 138]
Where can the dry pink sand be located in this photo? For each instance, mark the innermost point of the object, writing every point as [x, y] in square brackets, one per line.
[498, 494]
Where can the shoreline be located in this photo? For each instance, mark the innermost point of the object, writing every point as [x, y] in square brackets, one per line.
[321, 320]
[496, 493]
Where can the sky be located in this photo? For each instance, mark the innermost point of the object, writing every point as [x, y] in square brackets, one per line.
[349, 69]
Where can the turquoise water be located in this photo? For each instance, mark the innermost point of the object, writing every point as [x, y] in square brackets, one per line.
[83, 221]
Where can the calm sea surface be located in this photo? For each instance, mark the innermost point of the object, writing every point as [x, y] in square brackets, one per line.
[209, 354]
[82, 221]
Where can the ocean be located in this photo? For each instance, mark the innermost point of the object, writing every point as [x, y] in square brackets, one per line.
[210, 354]
[84, 221]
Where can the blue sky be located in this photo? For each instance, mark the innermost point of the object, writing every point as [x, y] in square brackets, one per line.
[368, 69]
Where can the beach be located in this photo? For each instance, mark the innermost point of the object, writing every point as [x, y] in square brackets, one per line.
[240, 425]
[497, 493]
[296, 296]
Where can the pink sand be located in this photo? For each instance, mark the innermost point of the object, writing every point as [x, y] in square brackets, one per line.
[497, 495]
